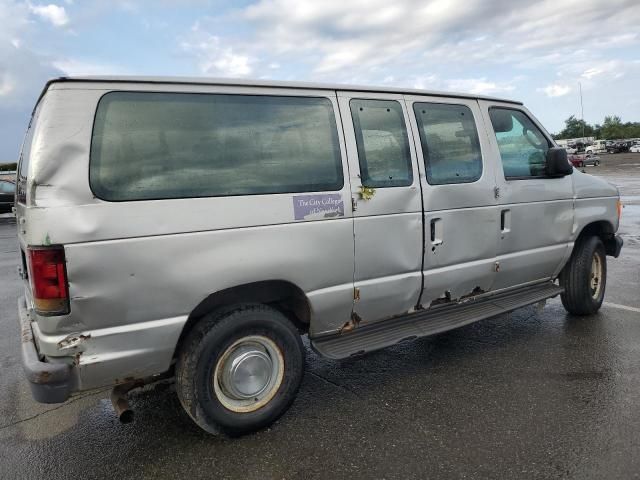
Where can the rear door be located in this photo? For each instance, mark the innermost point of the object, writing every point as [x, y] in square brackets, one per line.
[387, 206]
[460, 207]
[536, 211]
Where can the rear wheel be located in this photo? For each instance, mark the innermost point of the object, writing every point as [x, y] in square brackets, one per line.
[239, 370]
[596, 163]
[584, 278]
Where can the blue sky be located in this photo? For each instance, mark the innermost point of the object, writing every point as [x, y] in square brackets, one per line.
[534, 51]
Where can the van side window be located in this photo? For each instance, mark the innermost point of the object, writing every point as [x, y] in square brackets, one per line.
[148, 145]
[450, 144]
[523, 147]
[383, 145]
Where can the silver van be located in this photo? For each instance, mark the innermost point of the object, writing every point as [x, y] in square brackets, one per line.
[196, 229]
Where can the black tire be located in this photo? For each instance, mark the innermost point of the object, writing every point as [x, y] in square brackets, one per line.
[596, 163]
[579, 297]
[208, 341]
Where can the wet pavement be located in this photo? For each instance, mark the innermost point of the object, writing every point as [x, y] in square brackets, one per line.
[525, 395]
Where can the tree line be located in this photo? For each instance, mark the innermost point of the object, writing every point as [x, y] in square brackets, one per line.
[612, 128]
[8, 167]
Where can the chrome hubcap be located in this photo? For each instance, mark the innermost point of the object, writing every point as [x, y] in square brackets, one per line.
[595, 280]
[248, 374]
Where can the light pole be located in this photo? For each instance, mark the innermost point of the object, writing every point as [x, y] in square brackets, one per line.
[581, 111]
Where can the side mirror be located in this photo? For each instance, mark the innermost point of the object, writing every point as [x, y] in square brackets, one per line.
[557, 164]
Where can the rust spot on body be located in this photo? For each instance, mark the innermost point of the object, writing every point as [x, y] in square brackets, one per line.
[445, 298]
[42, 377]
[72, 341]
[351, 324]
[476, 291]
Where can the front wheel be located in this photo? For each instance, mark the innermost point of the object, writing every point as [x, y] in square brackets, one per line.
[596, 163]
[584, 277]
[239, 370]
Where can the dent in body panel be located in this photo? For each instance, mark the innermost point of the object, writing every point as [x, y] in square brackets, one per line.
[130, 298]
[134, 280]
[586, 186]
[463, 258]
[455, 282]
[136, 351]
[134, 266]
[388, 243]
[595, 200]
[328, 307]
[388, 260]
[589, 210]
[61, 148]
[536, 243]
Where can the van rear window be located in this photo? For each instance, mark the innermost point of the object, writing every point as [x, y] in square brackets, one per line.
[148, 145]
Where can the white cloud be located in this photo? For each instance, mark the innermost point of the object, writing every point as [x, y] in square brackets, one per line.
[367, 34]
[555, 90]
[6, 84]
[610, 68]
[217, 59]
[52, 13]
[23, 72]
[73, 66]
[479, 86]
[228, 63]
[592, 72]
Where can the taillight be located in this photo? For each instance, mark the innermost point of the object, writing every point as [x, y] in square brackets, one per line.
[48, 277]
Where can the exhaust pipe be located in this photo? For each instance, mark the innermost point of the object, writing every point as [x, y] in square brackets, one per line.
[121, 403]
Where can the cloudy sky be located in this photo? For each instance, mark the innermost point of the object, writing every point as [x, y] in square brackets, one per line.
[535, 51]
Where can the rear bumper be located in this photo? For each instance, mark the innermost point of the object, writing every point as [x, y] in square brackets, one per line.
[49, 382]
[613, 246]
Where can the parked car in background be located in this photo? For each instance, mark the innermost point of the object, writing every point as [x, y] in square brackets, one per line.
[598, 146]
[580, 146]
[583, 159]
[617, 147]
[591, 160]
[635, 148]
[7, 195]
[571, 149]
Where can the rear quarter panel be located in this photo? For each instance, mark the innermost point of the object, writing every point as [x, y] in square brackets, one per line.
[137, 269]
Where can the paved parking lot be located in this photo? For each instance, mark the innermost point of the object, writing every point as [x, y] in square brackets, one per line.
[526, 395]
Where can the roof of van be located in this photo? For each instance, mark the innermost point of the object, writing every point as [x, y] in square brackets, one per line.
[266, 83]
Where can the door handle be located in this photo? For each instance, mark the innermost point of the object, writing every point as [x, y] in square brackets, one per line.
[505, 221]
[436, 231]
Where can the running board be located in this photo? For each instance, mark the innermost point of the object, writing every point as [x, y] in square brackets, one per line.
[428, 322]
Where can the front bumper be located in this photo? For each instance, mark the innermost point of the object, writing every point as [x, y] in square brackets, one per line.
[613, 246]
[49, 382]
